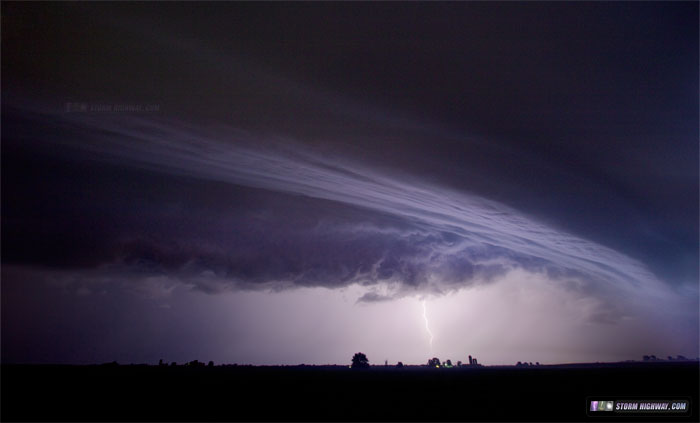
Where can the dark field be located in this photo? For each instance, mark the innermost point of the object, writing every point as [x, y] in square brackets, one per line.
[226, 393]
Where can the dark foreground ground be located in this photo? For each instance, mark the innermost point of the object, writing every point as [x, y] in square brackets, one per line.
[227, 393]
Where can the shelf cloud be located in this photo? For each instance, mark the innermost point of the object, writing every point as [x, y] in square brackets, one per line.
[405, 233]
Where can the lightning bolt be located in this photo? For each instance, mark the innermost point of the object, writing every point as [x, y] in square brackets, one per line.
[427, 328]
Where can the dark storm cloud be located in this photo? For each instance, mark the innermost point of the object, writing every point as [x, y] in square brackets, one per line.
[325, 220]
[561, 110]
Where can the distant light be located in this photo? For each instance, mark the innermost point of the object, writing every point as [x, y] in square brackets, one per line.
[437, 367]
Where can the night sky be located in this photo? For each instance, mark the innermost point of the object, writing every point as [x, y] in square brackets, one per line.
[286, 183]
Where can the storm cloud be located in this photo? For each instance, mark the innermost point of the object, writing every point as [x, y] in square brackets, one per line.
[335, 223]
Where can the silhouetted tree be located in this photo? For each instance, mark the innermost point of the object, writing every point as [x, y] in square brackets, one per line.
[448, 363]
[459, 364]
[433, 362]
[211, 364]
[359, 360]
[399, 365]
